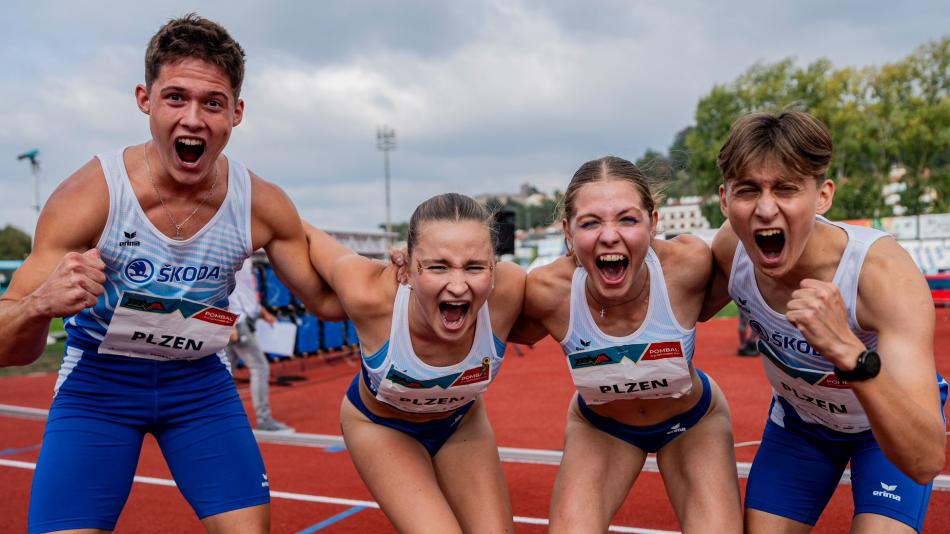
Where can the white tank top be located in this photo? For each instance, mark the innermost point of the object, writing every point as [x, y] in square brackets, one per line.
[650, 363]
[396, 376]
[797, 372]
[164, 299]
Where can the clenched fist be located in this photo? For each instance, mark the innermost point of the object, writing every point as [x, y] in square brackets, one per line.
[75, 284]
[818, 311]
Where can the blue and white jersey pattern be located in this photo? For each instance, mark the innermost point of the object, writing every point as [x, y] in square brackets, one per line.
[651, 362]
[798, 373]
[141, 259]
[397, 376]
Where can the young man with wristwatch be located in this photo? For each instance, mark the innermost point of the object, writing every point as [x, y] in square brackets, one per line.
[846, 325]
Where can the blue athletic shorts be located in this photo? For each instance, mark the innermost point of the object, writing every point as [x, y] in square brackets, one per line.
[797, 468]
[431, 434]
[652, 438]
[94, 434]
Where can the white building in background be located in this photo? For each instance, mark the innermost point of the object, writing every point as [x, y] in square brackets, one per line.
[681, 219]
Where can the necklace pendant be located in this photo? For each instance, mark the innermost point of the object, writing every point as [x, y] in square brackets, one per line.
[601, 312]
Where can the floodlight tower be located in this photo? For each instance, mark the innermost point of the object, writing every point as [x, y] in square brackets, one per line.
[386, 141]
[33, 156]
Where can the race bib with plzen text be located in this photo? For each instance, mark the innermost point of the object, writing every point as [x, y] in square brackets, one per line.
[159, 328]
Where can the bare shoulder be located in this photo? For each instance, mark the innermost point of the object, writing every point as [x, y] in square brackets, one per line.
[269, 200]
[548, 286]
[510, 279]
[687, 260]
[891, 287]
[273, 215]
[76, 212]
[683, 248]
[366, 288]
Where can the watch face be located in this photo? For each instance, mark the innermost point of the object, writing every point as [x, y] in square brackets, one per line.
[872, 363]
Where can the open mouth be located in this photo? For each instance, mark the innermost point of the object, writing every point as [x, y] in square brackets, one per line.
[612, 266]
[189, 149]
[770, 242]
[453, 313]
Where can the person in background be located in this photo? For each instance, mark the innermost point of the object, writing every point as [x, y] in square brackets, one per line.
[245, 301]
[748, 337]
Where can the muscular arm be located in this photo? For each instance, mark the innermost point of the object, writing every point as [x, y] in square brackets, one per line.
[902, 402]
[717, 291]
[63, 273]
[276, 226]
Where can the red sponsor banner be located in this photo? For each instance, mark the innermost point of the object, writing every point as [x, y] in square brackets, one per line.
[216, 316]
[663, 350]
[472, 376]
[832, 381]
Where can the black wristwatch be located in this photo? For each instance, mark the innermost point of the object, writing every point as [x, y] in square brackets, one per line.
[867, 367]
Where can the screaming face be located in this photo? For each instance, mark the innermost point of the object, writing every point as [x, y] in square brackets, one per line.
[611, 232]
[192, 110]
[772, 211]
[451, 277]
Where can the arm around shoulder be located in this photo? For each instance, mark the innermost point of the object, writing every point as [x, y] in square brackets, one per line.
[276, 226]
[717, 290]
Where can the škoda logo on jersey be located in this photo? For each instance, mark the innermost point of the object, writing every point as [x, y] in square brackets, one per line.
[470, 376]
[635, 353]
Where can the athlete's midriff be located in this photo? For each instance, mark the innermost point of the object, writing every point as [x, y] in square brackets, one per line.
[382, 409]
[644, 412]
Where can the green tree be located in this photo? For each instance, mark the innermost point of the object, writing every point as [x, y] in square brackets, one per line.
[893, 115]
[15, 244]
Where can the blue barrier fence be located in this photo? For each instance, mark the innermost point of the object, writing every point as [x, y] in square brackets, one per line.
[313, 334]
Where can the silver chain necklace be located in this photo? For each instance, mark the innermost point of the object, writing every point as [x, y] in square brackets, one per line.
[178, 226]
[605, 307]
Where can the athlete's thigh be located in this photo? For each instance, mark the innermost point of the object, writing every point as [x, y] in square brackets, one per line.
[252, 520]
[596, 473]
[791, 481]
[469, 471]
[398, 471]
[209, 446]
[885, 499]
[699, 471]
[84, 473]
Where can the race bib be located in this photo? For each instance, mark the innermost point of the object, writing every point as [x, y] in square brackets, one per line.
[818, 397]
[636, 371]
[442, 394]
[158, 328]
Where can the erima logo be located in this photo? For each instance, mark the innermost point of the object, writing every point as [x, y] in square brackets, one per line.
[584, 344]
[265, 483]
[742, 303]
[675, 429]
[887, 492]
[139, 270]
[129, 240]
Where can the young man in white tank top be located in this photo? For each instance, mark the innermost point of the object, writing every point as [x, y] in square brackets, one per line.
[846, 325]
[129, 238]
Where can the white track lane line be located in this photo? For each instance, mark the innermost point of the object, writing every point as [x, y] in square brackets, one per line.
[344, 502]
[508, 454]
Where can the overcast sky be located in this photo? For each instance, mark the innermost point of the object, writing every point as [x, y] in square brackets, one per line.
[483, 95]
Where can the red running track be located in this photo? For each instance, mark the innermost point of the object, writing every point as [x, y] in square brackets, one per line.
[527, 405]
